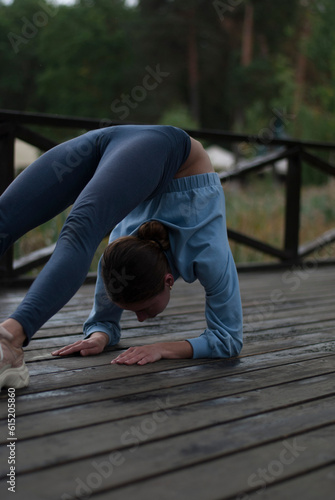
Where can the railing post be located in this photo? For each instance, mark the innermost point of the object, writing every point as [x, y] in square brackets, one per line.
[292, 215]
[6, 177]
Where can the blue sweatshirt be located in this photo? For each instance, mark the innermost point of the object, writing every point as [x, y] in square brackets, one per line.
[193, 210]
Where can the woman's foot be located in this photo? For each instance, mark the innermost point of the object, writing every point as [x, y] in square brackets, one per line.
[13, 370]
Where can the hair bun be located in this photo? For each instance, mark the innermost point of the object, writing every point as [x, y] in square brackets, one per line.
[154, 231]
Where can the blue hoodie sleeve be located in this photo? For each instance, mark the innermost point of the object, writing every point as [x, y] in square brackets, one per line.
[105, 316]
[223, 335]
[204, 254]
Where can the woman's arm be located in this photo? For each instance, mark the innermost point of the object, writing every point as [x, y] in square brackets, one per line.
[102, 327]
[105, 316]
[223, 337]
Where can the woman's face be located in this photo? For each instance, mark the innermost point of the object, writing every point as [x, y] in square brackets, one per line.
[151, 307]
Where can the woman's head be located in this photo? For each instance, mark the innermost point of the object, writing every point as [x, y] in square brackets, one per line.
[136, 272]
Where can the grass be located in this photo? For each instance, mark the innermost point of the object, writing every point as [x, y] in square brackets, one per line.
[255, 208]
[46, 235]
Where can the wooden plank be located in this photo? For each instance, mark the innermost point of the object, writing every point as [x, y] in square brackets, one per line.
[135, 477]
[215, 415]
[256, 341]
[268, 304]
[314, 485]
[259, 317]
[222, 438]
[282, 338]
[42, 361]
[303, 454]
[208, 403]
[160, 376]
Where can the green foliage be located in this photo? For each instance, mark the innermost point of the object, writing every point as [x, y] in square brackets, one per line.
[80, 59]
[64, 59]
[258, 210]
[83, 74]
[18, 54]
[178, 116]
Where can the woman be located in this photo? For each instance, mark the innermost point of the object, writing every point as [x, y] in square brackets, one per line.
[121, 177]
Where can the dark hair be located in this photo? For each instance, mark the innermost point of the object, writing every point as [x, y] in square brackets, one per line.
[133, 267]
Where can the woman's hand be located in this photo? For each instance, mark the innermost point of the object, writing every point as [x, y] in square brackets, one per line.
[95, 344]
[154, 352]
[140, 355]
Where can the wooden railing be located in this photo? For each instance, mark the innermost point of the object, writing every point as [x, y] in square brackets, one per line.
[16, 125]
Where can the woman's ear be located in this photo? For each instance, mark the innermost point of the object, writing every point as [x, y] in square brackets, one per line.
[169, 280]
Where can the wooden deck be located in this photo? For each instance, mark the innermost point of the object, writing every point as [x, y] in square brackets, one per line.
[261, 426]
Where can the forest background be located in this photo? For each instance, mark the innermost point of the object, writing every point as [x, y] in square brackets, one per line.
[232, 65]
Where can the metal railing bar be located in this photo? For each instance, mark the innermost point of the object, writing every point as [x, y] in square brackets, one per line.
[13, 125]
[257, 244]
[91, 123]
[32, 260]
[258, 163]
[220, 135]
[292, 205]
[5, 128]
[34, 139]
[51, 120]
[319, 243]
[318, 163]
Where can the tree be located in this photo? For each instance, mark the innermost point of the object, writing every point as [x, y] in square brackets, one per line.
[86, 67]
[229, 62]
[20, 26]
[190, 43]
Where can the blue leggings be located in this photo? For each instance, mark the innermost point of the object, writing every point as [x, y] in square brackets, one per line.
[104, 174]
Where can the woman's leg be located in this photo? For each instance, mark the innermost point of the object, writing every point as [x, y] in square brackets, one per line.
[46, 188]
[125, 176]
[42, 191]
